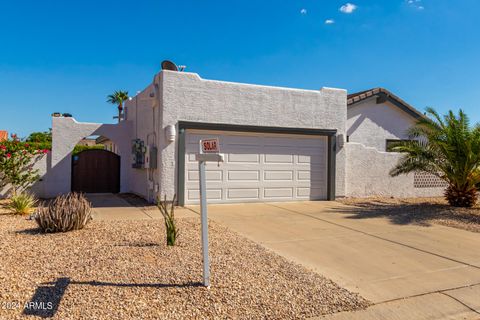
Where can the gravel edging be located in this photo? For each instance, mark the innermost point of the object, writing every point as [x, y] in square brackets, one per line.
[419, 211]
[123, 269]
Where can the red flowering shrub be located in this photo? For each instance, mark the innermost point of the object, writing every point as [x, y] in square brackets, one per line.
[16, 163]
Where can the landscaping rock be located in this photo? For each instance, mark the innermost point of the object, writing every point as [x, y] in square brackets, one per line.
[124, 270]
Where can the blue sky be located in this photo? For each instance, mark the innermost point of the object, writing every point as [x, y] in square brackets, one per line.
[67, 56]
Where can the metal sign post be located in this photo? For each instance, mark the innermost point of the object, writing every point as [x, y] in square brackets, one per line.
[209, 151]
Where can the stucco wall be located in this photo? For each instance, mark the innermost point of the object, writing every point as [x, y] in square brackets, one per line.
[143, 114]
[372, 124]
[185, 96]
[368, 175]
[66, 132]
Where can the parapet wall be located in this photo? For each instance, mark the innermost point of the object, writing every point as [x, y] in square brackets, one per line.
[368, 174]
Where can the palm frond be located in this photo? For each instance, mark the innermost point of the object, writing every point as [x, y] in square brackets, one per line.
[448, 147]
[117, 97]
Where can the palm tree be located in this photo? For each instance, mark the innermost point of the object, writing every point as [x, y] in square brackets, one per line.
[447, 147]
[118, 98]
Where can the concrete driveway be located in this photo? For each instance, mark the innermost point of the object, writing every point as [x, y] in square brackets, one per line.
[407, 271]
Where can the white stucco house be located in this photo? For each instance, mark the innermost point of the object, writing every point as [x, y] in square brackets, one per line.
[280, 144]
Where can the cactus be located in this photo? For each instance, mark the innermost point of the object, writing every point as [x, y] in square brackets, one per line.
[67, 212]
[169, 217]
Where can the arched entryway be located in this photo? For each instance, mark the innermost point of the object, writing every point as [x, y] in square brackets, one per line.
[96, 171]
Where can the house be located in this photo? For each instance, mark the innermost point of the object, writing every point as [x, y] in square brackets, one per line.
[3, 135]
[280, 144]
[107, 144]
[87, 142]
[377, 118]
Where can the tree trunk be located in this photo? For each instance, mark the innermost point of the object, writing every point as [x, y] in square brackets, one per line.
[461, 197]
[120, 109]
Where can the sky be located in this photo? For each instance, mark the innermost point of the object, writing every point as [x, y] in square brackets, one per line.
[67, 56]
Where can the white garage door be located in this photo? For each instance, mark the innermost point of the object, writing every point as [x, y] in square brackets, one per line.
[259, 167]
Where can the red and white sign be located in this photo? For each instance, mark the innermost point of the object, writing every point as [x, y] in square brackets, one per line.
[210, 145]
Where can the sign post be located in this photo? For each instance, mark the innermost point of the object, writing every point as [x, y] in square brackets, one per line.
[209, 151]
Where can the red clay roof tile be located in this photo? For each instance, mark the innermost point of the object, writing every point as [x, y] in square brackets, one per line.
[3, 135]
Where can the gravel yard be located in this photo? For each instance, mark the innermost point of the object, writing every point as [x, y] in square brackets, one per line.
[124, 270]
[421, 211]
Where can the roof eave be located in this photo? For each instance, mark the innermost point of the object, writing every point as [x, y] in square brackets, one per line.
[384, 95]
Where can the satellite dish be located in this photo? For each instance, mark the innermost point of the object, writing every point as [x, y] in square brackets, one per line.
[169, 65]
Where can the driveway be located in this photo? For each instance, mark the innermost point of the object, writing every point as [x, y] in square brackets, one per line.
[407, 271]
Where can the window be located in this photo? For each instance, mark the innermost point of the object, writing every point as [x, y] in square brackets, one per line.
[392, 143]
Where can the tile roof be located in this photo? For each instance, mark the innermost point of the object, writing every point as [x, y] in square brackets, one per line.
[3, 135]
[376, 92]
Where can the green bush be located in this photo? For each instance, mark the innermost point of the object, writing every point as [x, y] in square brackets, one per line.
[65, 213]
[80, 148]
[169, 217]
[22, 203]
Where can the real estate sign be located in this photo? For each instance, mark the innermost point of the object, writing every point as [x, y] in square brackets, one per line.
[210, 146]
[209, 151]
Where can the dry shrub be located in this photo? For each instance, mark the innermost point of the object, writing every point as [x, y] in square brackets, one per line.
[67, 212]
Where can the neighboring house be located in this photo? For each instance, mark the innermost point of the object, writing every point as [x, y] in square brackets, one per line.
[3, 135]
[107, 143]
[280, 144]
[377, 118]
[88, 142]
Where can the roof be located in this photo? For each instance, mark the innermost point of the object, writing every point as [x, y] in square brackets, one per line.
[101, 140]
[3, 135]
[383, 95]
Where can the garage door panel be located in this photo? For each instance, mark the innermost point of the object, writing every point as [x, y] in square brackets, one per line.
[211, 175]
[311, 159]
[310, 175]
[260, 167]
[275, 175]
[243, 157]
[272, 193]
[279, 158]
[310, 193]
[212, 194]
[243, 193]
[241, 175]
[304, 175]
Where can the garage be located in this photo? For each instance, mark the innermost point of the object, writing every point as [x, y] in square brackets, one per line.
[259, 167]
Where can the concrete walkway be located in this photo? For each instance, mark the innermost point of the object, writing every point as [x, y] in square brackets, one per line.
[407, 271]
[111, 207]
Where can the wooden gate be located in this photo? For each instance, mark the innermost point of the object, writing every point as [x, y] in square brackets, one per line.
[96, 171]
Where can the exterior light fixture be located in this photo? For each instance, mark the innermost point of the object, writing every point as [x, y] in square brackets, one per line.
[341, 140]
[170, 133]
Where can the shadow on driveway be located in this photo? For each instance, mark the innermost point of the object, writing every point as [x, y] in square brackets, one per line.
[403, 212]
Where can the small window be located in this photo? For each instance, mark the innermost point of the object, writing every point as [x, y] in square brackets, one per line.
[392, 143]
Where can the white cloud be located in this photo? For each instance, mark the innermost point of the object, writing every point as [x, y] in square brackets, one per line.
[416, 4]
[329, 21]
[348, 8]
[303, 11]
